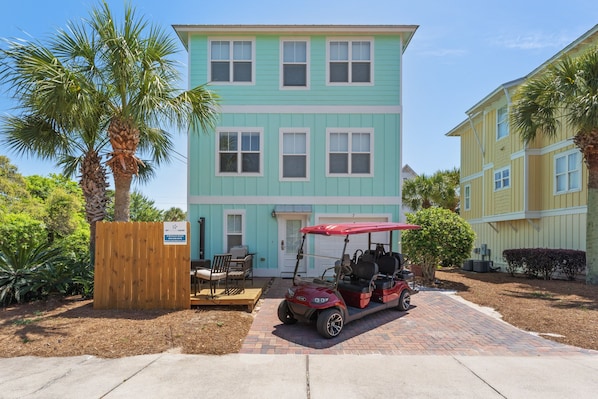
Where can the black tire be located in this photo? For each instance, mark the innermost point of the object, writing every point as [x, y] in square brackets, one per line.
[330, 323]
[404, 301]
[284, 313]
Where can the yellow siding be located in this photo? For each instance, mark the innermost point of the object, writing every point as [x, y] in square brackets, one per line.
[535, 182]
[564, 231]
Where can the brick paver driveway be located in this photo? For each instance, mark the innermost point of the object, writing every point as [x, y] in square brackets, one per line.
[436, 324]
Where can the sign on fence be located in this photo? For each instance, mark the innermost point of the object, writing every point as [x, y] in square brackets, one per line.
[175, 233]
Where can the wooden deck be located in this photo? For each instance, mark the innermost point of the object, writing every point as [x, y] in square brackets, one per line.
[247, 298]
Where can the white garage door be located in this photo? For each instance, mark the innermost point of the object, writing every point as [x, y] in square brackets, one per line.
[332, 246]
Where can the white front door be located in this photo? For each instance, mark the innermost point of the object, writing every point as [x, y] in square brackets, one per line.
[289, 240]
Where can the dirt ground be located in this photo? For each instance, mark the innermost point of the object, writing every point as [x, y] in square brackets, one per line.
[563, 311]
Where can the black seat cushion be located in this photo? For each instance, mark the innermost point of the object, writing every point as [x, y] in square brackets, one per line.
[388, 265]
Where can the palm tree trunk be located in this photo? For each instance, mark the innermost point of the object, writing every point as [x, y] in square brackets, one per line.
[93, 184]
[122, 196]
[124, 138]
[588, 144]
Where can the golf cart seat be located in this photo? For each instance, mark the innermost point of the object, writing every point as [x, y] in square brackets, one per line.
[388, 266]
[357, 290]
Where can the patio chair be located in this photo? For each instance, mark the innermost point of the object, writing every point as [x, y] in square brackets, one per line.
[239, 270]
[218, 271]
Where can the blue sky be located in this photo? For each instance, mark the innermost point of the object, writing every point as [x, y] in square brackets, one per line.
[462, 50]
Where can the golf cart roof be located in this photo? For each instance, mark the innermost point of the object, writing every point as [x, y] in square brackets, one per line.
[356, 228]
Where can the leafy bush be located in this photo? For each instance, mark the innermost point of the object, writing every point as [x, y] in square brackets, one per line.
[444, 238]
[544, 262]
[21, 229]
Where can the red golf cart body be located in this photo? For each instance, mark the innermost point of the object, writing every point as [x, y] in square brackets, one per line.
[371, 280]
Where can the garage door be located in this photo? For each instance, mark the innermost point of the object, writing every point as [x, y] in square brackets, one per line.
[331, 247]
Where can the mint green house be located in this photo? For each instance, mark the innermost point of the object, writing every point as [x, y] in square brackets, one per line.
[309, 133]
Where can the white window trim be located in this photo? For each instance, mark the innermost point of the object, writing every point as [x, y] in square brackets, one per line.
[506, 122]
[226, 213]
[307, 61]
[494, 179]
[232, 39]
[281, 133]
[239, 130]
[350, 131]
[350, 39]
[467, 197]
[566, 155]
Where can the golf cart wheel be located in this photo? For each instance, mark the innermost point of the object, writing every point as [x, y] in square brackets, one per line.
[330, 323]
[284, 313]
[404, 300]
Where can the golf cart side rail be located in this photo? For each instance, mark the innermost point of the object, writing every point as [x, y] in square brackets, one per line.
[356, 228]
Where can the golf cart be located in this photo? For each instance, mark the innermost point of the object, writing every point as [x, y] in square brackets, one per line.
[359, 284]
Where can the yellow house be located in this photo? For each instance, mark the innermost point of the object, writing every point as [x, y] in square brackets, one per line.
[516, 195]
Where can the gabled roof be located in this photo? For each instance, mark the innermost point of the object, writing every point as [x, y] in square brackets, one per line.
[406, 31]
[588, 37]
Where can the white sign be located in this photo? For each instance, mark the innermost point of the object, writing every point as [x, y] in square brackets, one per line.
[175, 233]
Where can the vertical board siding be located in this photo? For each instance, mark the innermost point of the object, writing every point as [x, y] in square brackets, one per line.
[266, 88]
[564, 231]
[261, 231]
[135, 270]
[386, 157]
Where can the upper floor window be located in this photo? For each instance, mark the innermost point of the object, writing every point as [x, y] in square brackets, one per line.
[502, 179]
[350, 61]
[231, 61]
[502, 123]
[349, 152]
[467, 197]
[240, 152]
[567, 172]
[234, 228]
[294, 154]
[295, 63]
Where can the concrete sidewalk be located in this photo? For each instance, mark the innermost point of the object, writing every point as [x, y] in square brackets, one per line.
[300, 376]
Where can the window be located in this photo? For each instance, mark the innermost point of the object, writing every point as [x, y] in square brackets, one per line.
[234, 228]
[231, 61]
[349, 152]
[294, 63]
[502, 123]
[239, 152]
[567, 172]
[350, 61]
[294, 145]
[501, 179]
[467, 198]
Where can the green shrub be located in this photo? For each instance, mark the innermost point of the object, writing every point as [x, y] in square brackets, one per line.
[21, 229]
[544, 262]
[24, 272]
[444, 238]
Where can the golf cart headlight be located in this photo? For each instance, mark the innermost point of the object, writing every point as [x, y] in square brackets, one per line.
[320, 300]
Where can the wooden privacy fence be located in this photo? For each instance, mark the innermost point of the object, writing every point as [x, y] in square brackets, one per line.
[134, 269]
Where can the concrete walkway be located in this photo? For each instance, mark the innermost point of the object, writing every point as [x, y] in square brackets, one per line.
[441, 348]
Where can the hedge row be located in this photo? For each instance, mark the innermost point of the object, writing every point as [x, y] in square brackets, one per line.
[545, 262]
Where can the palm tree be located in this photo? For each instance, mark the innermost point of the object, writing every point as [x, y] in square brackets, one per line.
[568, 91]
[174, 214]
[136, 83]
[439, 190]
[98, 71]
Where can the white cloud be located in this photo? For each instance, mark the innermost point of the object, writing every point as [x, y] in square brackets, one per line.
[532, 41]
